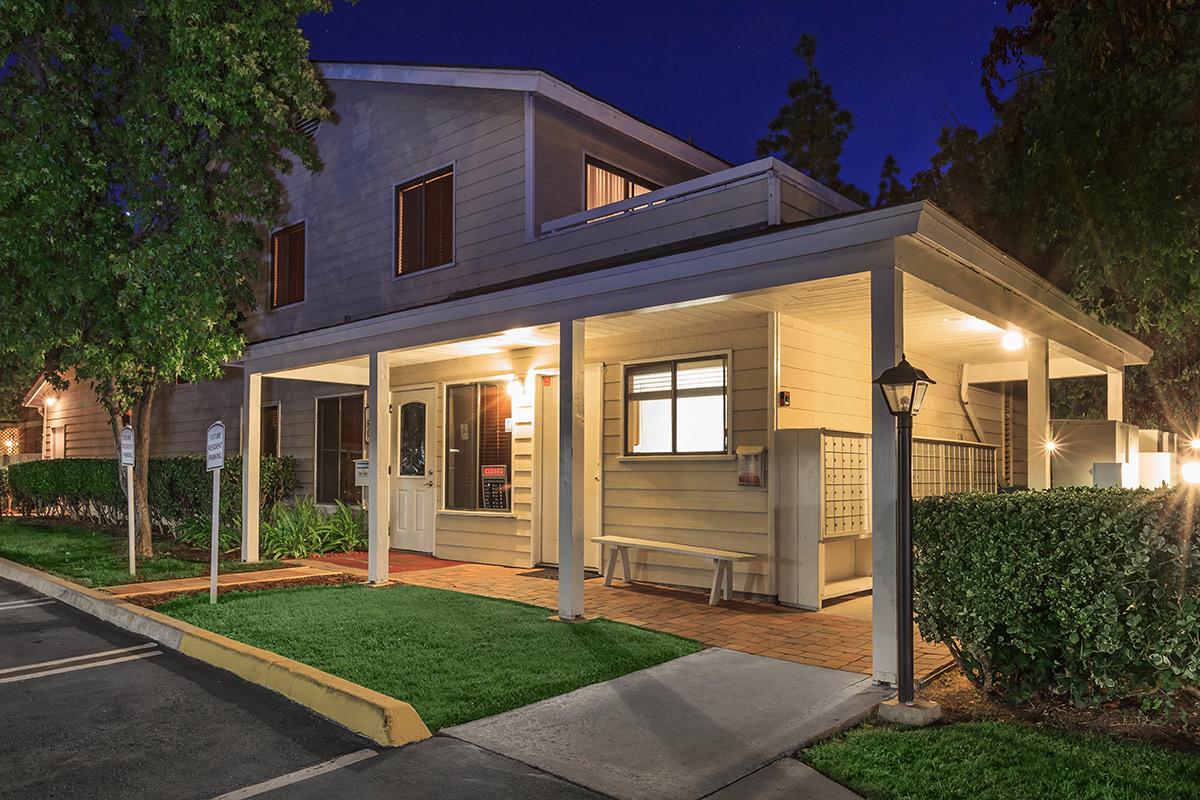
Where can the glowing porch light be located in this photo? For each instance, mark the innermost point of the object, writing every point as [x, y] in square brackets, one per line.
[1012, 341]
[515, 388]
[1195, 443]
[50, 401]
[1051, 446]
[1190, 471]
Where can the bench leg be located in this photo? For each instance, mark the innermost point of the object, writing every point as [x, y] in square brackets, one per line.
[625, 564]
[612, 566]
[714, 597]
[728, 580]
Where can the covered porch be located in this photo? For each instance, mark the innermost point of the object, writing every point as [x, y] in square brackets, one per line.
[796, 321]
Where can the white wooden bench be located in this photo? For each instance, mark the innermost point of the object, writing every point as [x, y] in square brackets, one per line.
[722, 582]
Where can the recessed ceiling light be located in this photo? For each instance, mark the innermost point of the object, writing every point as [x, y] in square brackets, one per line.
[1012, 341]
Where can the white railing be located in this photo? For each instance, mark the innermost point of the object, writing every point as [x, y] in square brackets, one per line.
[770, 170]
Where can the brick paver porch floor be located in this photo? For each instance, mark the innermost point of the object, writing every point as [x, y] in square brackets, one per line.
[822, 638]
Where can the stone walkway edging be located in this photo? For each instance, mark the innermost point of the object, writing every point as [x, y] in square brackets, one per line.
[386, 720]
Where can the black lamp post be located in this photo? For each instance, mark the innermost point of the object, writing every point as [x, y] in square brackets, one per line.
[904, 387]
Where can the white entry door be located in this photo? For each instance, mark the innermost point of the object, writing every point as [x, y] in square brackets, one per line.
[593, 388]
[414, 495]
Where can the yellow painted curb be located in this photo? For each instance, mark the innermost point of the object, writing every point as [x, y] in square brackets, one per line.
[384, 719]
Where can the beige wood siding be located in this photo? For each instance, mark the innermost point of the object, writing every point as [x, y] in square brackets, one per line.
[690, 500]
[85, 424]
[829, 375]
[563, 138]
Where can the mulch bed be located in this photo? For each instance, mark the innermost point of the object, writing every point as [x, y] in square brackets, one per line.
[962, 702]
[332, 579]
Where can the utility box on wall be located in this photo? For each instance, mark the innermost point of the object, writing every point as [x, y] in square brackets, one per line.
[823, 515]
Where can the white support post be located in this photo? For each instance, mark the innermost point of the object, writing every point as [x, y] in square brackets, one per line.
[379, 427]
[1038, 404]
[571, 472]
[1116, 395]
[251, 456]
[887, 347]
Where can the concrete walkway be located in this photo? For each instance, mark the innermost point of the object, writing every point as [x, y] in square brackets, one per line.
[686, 729]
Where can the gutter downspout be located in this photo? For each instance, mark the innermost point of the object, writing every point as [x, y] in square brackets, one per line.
[964, 387]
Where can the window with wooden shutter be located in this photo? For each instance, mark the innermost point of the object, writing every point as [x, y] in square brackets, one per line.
[287, 266]
[425, 222]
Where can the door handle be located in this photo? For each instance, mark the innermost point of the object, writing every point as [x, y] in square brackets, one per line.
[429, 483]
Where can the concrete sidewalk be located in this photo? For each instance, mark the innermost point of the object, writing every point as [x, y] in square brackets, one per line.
[686, 729]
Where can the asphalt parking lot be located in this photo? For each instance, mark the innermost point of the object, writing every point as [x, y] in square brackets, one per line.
[92, 711]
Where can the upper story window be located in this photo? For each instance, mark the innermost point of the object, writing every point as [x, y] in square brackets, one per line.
[677, 407]
[425, 222]
[287, 265]
[607, 184]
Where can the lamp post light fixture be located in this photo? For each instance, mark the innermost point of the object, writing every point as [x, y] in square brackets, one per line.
[904, 388]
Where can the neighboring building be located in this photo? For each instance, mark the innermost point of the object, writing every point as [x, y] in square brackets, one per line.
[496, 270]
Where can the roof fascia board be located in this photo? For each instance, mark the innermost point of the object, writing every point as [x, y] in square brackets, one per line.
[838, 246]
[940, 230]
[528, 81]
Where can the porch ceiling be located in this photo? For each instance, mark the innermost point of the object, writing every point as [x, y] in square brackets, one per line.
[840, 304]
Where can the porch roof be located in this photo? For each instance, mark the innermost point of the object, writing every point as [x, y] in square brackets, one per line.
[948, 262]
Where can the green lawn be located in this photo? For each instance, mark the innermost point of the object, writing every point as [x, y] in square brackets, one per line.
[456, 657]
[1003, 761]
[96, 558]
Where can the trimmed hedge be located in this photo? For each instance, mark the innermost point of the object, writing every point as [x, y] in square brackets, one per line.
[179, 488]
[1091, 594]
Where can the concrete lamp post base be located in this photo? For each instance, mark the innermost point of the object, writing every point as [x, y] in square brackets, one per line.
[918, 715]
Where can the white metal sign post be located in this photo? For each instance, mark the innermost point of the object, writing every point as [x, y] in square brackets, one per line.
[215, 460]
[127, 463]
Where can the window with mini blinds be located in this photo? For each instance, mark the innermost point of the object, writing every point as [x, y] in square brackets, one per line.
[425, 222]
[677, 407]
[478, 434]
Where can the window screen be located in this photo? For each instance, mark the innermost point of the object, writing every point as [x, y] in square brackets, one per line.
[425, 222]
[677, 407]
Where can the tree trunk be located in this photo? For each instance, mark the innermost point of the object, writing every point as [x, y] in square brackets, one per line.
[141, 471]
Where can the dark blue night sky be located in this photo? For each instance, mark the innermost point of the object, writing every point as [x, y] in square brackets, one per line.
[710, 70]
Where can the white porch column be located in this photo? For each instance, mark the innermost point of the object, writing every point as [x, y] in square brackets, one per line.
[1038, 402]
[1116, 395]
[887, 346]
[251, 457]
[379, 427]
[571, 472]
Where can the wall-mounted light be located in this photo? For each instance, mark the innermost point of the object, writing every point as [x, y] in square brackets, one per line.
[50, 401]
[1012, 341]
[1195, 443]
[516, 389]
[1051, 446]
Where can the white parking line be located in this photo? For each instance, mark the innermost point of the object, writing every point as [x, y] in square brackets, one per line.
[299, 775]
[24, 604]
[57, 661]
[60, 670]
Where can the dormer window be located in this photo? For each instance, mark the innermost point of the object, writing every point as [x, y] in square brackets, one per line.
[425, 222]
[608, 184]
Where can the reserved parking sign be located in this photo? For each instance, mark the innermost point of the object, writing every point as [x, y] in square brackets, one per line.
[216, 446]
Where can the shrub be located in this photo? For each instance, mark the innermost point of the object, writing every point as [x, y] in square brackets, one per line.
[301, 529]
[197, 531]
[1092, 594]
[179, 488]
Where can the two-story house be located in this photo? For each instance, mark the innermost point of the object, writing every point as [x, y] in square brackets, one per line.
[542, 319]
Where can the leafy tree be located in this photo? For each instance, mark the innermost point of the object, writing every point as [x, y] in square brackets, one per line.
[1091, 174]
[808, 133]
[141, 142]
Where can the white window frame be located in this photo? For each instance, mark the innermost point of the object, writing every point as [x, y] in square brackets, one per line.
[443, 460]
[316, 424]
[396, 276]
[729, 433]
[271, 265]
